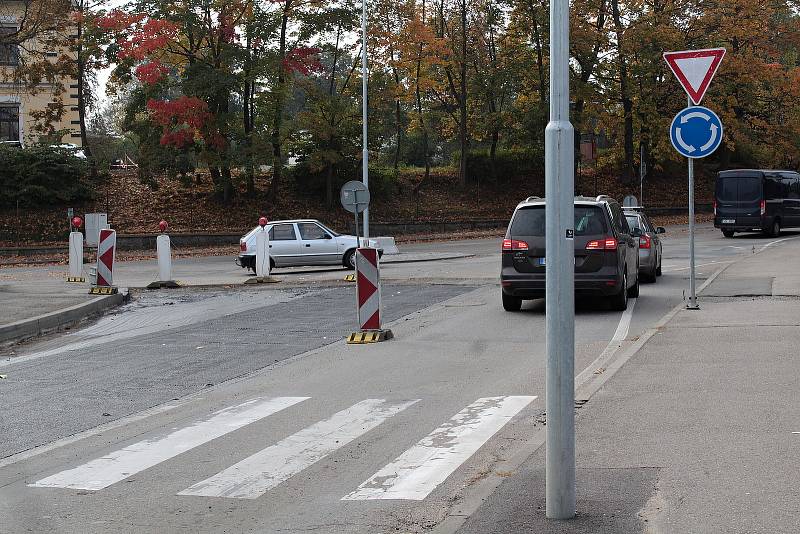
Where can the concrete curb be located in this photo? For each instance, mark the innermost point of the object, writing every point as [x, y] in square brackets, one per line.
[53, 321]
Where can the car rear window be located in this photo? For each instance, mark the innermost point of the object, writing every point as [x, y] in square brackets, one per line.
[589, 220]
[633, 221]
[738, 188]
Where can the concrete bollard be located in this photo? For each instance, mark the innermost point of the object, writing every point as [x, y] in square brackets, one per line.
[76, 252]
[262, 256]
[262, 253]
[164, 255]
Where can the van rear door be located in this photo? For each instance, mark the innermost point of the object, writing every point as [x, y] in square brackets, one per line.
[738, 196]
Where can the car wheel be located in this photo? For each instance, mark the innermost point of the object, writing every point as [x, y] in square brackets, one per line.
[658, 269]
[349, 259]
[511, 303]
[727, 233]
[633, 292]
[619, 301]
[271, 264]
[776, 228]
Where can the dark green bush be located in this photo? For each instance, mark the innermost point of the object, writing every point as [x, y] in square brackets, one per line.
[509, 165]
[42, 176]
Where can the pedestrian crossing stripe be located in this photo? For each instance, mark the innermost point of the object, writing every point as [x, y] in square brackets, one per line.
[419, 470]
[255, 475]
[412, 476]
[121, 464]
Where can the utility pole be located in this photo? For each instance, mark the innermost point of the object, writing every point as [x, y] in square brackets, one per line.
[560, 277]
[365, 155]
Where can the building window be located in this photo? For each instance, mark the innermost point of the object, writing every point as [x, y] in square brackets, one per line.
[9, 52]
[9, 122]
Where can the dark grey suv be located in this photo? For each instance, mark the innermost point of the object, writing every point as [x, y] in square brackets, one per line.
[606, 253]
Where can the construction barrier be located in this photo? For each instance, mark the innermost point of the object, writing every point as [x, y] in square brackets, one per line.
[368, 296]
[106, 250]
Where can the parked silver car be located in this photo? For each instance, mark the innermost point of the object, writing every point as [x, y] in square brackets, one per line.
[301, 242]
[650, 248]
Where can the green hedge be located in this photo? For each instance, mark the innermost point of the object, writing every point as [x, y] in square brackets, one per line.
[41, 176]
[508, 165]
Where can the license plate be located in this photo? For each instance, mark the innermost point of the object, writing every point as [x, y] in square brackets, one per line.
[542, 261]
[728, 221]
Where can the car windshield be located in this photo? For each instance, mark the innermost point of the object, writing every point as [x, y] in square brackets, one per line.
[530, 221]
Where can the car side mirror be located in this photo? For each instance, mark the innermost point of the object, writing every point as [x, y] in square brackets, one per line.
[637, 232]
[328, 236]
[660, 230]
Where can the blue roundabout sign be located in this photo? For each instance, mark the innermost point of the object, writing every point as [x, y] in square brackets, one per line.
[696, 132]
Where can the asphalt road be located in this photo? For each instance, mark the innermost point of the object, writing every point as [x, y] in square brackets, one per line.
[242, 410]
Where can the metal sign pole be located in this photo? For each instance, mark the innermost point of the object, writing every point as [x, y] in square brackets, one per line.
[692, 295]
[559, 275]
[365, 157]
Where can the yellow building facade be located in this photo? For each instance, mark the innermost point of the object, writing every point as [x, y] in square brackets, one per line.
[20, 106]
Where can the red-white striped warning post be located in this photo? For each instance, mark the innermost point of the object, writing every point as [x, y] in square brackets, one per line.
[369, 289]
[106, 250]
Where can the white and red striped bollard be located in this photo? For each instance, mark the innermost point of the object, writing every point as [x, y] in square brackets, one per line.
[368, 297]
[106, 251]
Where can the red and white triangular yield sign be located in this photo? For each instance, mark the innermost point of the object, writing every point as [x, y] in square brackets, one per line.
[695, 69]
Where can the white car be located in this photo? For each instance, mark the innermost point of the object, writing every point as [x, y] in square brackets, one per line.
[301, 242]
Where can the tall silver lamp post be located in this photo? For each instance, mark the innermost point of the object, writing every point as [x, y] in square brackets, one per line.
[560, 268]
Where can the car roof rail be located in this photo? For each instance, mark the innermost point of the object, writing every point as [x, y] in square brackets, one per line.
[532, 198]
[603, 197]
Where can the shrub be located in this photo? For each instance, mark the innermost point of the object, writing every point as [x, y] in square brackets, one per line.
[42, 176]
[509, 165]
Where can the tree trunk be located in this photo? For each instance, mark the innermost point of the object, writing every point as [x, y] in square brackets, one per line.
[329, 187]
[248, 119]
[82, 88]
[418, 96]
[625, 99]
[462, 101]
[277, 118]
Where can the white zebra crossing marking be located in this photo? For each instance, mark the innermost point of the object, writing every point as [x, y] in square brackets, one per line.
[257, 474]
[417, 472]
[121, 464]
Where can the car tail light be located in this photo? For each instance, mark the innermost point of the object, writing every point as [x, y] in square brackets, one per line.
[242, 246]
[763, 207]
[607, 243]
[644, 241]
[513, 244]
[715, 207]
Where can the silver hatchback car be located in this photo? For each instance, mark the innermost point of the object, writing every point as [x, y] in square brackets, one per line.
[650, 248]
[301, 242]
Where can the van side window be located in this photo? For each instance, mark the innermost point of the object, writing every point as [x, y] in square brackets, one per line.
[791, 183]
[774, 187]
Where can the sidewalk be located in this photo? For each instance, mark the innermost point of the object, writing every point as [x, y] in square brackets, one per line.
[698, 432]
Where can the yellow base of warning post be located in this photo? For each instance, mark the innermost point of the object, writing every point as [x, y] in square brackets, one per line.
[363, 337]
[350, 278]
[103, 291]
[76, 279]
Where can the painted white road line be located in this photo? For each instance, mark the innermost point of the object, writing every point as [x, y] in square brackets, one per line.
[673, 269]
[257, 474]
[417, 472]
[624, 322]
[121, 464]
